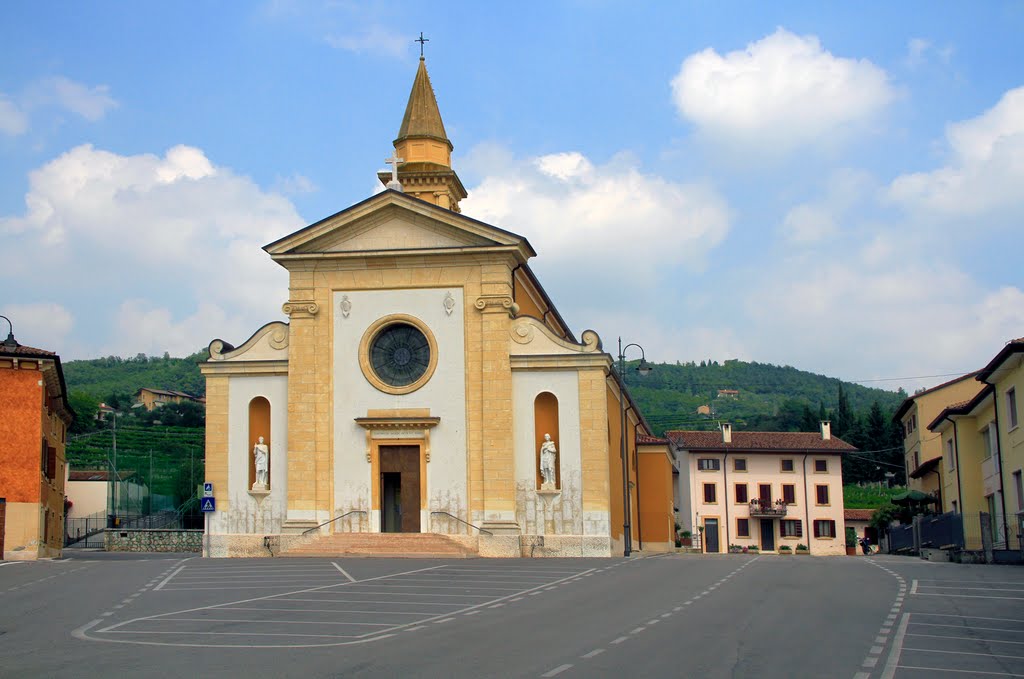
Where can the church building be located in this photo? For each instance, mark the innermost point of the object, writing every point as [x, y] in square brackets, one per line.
[425, 395]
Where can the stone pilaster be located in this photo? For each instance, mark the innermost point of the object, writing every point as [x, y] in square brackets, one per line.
[496, 307]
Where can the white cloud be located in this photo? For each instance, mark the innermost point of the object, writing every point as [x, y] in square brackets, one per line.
[92, 103]
[808, 223]
[573, 210]
[817, 221]
[176, 234]
[43, 325]
[372, 40]
[59, 92]
[985, 170]
[781, 92]
[13, 120]
[295, 184]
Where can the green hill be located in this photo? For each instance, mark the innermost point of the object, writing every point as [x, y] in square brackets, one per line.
[751, 396]
[114, 380]
[768, 397]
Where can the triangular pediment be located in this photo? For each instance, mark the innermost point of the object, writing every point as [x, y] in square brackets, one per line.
[394, 222]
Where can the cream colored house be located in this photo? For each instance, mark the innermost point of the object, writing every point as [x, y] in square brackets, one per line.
[413, 385]
[763, 489]
[922, 450]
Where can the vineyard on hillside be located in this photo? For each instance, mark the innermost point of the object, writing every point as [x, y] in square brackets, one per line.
[169, 460]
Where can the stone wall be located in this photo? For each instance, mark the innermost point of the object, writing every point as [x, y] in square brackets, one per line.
[153, 540]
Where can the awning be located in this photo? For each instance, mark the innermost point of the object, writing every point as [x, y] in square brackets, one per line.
[925, 468]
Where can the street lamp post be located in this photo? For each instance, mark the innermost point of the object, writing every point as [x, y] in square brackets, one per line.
[643, 369]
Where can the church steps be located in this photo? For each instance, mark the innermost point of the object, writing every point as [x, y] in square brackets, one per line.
[394, 545]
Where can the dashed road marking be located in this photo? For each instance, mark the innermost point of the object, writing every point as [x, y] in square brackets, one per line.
[557, 670]
[596, 651]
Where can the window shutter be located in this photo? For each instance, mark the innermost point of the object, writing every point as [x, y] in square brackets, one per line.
[817, 529]
[51, 463]
[832, 527]
[799, 528]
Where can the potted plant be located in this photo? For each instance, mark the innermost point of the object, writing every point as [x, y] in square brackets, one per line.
[686, 539]
[735, 549]
[785, 549]
[752, 548]
[851, 542]
[802, 549]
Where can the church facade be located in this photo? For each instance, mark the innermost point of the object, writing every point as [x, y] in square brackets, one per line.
[425, 383]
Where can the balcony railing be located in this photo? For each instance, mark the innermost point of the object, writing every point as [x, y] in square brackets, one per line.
[767, 508]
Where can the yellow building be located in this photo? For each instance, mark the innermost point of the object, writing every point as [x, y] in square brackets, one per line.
[762, 489]
[965, 432]
[1005, 375]
[150, 398]
[425, 383]
[923, 450]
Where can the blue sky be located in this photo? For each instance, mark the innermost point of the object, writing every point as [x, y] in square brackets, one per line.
[835, 188]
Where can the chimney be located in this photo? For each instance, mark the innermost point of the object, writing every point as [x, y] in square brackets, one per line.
[826, 430]
[726, 432]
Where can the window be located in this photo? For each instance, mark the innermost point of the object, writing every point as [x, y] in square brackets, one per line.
[791, 528]
[949, 454]
[988, 442]
[1018, 484]
[709, 464]
[743, 528]
[787, 465]
[820, 466]
[1011, 407]
[764, 493]
[824, 528]
[710, 493]
[741, 493]
[821, 494]
[739, 464]
[789, 493]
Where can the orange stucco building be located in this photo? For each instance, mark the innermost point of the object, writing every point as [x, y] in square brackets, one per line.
[34, 417]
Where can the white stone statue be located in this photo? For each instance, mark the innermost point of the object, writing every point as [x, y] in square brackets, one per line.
[547, 462]
[261, 453]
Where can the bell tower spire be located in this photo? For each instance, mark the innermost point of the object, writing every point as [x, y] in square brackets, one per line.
[423, 145]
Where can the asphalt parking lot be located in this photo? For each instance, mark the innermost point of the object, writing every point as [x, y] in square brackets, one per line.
[302, 603]
[957, 621]
[768, 616]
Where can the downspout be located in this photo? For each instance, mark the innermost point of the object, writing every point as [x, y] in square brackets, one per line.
[725, 497]
[807, 506]
[956, 459]
[639, 519]
[999, 460]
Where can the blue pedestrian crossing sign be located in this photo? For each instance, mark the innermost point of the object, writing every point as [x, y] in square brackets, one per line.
[209, 504]
[207, 489]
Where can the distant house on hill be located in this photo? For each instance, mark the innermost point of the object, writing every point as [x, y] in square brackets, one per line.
[150, 398]
[704, 410]
[728, 393]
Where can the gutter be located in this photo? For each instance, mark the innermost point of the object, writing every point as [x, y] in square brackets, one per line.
[999, 460]
[956, 458]
[725, 497]
[807, 505]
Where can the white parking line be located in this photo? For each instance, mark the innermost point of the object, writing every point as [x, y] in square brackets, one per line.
[972, 596]
[897, 647]
[168, 578]
[986, 641]
[987, 655]
[343, 572]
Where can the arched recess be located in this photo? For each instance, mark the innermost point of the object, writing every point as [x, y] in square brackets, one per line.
[545, 421]
[259, 425]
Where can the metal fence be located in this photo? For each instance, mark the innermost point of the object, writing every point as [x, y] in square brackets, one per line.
[86, 532]
[942, 531]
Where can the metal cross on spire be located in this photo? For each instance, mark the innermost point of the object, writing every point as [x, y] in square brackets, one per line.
[421, 40]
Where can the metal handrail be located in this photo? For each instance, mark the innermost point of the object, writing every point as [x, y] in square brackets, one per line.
[482, 530]
[354, 511]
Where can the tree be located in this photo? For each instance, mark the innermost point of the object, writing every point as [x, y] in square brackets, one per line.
[844, 415]
[85, 408]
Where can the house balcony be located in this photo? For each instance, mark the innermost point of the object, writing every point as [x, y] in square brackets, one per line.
[768, 510]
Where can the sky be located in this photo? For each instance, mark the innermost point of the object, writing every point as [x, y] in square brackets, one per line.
[835, 187]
